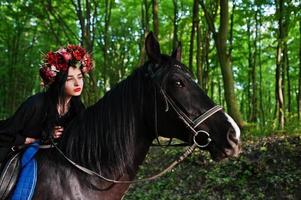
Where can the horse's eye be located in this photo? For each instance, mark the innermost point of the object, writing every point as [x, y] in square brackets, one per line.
[179, 84]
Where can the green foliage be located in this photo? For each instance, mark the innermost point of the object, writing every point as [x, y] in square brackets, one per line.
[30, 28]
[269, 168]
[292, 127]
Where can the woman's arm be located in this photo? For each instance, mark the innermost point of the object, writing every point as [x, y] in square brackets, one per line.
[16, 128]
[29, 140]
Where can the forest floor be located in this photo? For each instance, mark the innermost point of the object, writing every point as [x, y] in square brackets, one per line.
[268, 168]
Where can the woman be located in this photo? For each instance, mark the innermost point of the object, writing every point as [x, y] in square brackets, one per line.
[46, 114]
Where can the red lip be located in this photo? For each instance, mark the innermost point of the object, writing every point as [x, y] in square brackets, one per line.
[77, 89]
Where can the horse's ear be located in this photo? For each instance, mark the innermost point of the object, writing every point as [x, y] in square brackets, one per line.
[177, 53]
[152, 48]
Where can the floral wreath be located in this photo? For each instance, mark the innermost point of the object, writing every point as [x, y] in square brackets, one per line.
[62, 59]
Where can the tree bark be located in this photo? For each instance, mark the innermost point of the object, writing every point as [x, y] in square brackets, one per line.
[155, 18]
[250, 64]
[84, 14]
[205, 60]
[108, 8]
[175, 25]
[231, 28]
[145, 29]
[220, 38]
[261, 103]
[286, 66]
[254, 110]
[280, 106]
[219, 84]
[287, 76]
[299, 87]
[193, 29]
[199, 60]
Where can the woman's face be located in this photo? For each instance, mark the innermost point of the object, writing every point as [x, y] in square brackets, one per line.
[74, 83]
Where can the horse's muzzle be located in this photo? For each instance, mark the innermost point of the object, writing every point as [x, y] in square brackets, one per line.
[234, 143]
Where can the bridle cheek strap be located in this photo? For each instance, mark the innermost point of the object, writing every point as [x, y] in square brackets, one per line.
[192, 124]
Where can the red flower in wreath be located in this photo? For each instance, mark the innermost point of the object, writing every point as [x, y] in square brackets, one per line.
[62, 59]
[51, 58]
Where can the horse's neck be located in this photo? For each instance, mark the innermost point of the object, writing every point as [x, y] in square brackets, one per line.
[114, 134]
[141, 150]
[143, 138]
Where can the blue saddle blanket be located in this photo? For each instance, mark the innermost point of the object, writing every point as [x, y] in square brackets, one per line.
[28, 176]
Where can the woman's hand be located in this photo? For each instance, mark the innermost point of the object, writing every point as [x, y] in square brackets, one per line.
[29, 140]
[57, 132]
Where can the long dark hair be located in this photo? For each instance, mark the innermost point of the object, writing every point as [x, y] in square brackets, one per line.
[101, 133]
[55, 95]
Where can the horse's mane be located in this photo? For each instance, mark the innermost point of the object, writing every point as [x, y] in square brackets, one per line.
[102, 138]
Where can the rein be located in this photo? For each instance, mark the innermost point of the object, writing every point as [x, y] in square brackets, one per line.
[191, 124]
[188, 151]
[23, 146]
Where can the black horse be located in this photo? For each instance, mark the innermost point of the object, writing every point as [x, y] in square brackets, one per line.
[113, 136]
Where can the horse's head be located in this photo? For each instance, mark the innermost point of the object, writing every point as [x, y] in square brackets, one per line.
[183, 110]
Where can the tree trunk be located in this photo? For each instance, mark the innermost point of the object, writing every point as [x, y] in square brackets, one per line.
[280, 65]
[287, 74]
[286, 66]
[146, 6]
[205, 60]
[84, 14]
[280, 109]
[108, 8]
[299, 87]
[254, 110]
[279, 89]
[175, 25]
[250, 64]
[261, 103]
[199, 60]
[219, 85]
[199, 57]
[155, 18]
[231, 28]
[220, 38]
[145, 29]
[193, 29]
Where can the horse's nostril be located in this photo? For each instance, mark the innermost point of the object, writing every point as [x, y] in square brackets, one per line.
[231, 137]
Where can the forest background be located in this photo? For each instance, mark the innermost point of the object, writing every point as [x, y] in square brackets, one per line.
[246, 55]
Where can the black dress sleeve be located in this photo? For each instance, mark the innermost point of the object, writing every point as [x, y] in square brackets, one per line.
[12, 130]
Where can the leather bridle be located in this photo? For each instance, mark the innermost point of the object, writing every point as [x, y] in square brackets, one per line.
[191, 124]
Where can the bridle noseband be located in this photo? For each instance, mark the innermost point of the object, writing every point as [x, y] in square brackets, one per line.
[191, 124]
